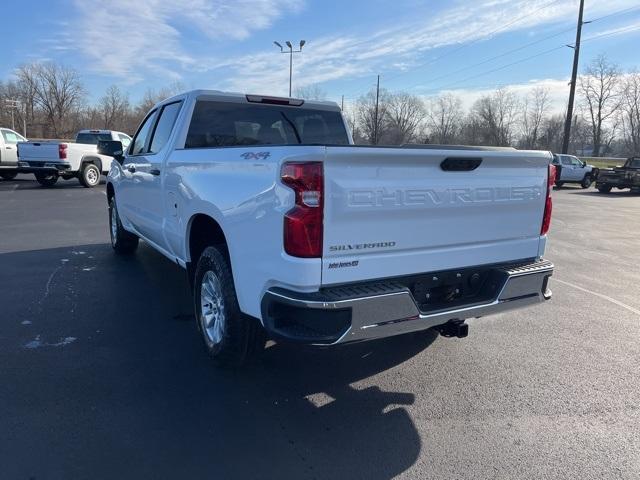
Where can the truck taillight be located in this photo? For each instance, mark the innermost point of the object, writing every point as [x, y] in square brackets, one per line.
[303, 223]
[62, 151]
[548, 204]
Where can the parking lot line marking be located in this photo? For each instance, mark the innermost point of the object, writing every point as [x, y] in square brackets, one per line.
[601, 295]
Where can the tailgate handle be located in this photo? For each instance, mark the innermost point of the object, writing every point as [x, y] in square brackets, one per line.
[460, 164]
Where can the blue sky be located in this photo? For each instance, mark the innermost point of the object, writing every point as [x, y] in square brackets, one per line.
[424, 47]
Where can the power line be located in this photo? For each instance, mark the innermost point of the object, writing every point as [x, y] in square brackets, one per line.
[503, 54]
[502, 67]
[473, 42]
[619, 12]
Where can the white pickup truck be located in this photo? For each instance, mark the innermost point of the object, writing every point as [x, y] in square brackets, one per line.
[286, 229]
[49, 161]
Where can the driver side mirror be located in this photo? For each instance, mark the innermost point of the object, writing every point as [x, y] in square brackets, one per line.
[111, 148]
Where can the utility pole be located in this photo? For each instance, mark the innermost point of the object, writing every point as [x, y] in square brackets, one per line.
[375, 126]
[290, 52]
[12, 105]
[574, 75]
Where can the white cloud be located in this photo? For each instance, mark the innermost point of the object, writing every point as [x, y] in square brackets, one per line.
[143, 39]
[135, 39]
[558, 92]
[402, 48]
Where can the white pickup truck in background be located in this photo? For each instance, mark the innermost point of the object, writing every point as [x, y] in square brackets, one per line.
[49, 161]
[286, 229]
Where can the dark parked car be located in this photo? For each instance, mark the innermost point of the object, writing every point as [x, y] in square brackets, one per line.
[626, 176]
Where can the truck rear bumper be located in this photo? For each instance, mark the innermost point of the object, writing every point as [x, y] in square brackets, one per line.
[26, 166]
[368, 311]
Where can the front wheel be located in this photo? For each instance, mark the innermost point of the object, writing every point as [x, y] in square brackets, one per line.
[230, 337]
[47, 180]
[8, 175]
[89, 175]
[604, 188]
[123, 242]
[586, 181]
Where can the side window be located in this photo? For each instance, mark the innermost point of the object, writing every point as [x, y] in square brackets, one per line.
[164, 126]
[565, 160]
[575, 161]
[139, 143]
[556, 160]
[10, 137]
[125, 140]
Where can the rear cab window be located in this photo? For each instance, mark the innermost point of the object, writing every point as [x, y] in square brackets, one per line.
[91, 138]
[226, 124]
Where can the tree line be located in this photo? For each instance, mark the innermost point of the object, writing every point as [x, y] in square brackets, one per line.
[52, 103]
[607, 120]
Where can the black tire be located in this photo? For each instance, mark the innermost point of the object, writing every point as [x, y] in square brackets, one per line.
[559, 184]
[89, 175]
[8, 175]
[230, 337]
[604, 188]
[586, 181]
[123, 242]
[46, 179]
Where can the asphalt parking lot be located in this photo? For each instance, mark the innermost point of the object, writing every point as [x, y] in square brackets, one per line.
[103, 374]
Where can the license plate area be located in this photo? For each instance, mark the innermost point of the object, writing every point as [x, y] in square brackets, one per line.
[449, 289]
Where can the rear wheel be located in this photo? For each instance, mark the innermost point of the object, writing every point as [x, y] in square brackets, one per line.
[586, 181]
[47, 179]
[230, 337]
[89, 175]
[8, 175]
[604, 188]
[123, 242]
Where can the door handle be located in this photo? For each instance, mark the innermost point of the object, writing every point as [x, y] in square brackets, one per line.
[131, 168]
[9, 148]
[154, 171]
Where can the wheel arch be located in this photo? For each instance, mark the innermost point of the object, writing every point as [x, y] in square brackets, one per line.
[111, 192]
[203, 231]
[90, 159]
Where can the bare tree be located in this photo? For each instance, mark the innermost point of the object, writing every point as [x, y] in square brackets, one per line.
[60, 94]
[535, 107]
[113, 108]
[630, 113]
[497, 114]
[405, 113]
[368, 123]
[444, 119]
[551, 133]
[601, 99]
[27, 84]
[310, 92]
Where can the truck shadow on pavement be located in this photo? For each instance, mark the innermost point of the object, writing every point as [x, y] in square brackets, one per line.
[25, 183]
[107, 378]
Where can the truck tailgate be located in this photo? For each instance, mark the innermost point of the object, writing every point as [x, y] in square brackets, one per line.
[38, 151]
[393, 211]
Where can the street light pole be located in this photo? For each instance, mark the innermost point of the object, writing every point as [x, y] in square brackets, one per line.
[290, 52]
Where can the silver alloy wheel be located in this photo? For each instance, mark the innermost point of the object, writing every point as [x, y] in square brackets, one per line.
[114, 224]
[212, 316]
[92, 175]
